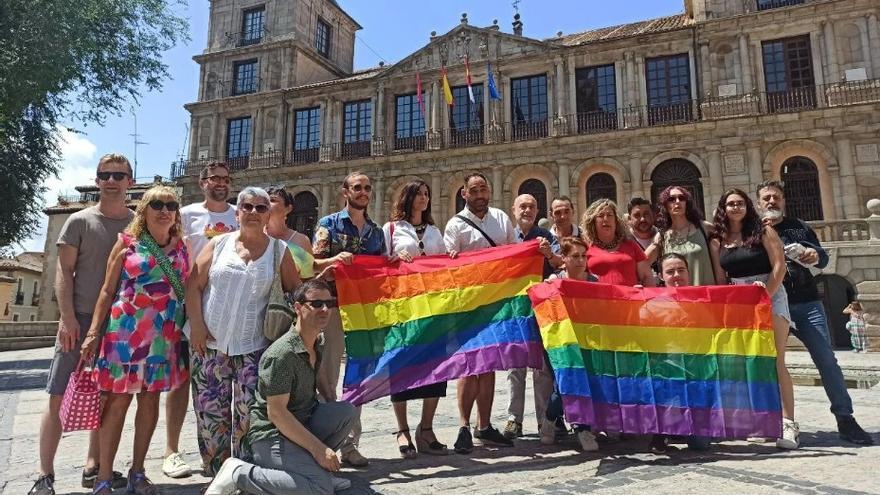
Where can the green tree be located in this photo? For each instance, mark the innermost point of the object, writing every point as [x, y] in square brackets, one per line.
[79, 61]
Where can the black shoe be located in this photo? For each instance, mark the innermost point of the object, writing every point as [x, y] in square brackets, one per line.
[45, 485]
[463, 444]
[660, 444]
[89, 477]
[492, 437]
[850, 431]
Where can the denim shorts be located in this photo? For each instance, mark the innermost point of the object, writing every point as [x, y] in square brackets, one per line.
[779, 300]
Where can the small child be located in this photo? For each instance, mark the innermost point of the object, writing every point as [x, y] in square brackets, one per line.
[856, 327]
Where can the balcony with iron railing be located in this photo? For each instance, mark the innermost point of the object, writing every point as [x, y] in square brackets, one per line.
[599, 122]
[19, 298]
[775, 4]
[245, 38]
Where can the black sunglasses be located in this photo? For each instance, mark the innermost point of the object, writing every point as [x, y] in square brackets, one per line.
[248, 207]
[677, 197]
[117, 176]
[158, 204]
[358, 188]
[320, 303]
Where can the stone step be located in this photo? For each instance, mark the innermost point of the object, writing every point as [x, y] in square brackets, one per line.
[19, 343]
[28, 332]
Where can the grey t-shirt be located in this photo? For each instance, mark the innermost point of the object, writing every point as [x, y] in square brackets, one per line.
[93, 235]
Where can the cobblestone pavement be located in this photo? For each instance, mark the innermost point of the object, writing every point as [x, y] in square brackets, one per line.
[822, 466]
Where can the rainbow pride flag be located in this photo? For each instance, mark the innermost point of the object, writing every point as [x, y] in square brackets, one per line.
[436, 319]
[686, 361]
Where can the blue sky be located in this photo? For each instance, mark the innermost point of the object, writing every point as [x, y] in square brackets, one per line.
[392, 29]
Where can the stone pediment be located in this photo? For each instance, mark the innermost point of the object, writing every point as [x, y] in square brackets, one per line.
[481, 45]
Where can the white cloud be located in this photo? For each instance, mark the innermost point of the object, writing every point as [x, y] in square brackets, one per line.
[77, 168]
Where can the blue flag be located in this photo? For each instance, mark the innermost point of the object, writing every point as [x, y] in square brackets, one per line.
[493, 90]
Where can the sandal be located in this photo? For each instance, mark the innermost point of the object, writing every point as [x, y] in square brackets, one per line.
[90, 475]
[425, 447]
[103, 487]
[407, 451]
[139, 484]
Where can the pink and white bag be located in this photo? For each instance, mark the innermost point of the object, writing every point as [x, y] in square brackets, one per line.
[81, 405]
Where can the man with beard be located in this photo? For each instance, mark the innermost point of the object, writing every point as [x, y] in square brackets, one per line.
[808, 318]
[84, 245]
[338, 237]
[477, 226]
[201, 222]
[641, 223]
[525, 209]
[562, 209]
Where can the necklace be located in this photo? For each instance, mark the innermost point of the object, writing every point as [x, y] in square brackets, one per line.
[678, 237]
[420, 228]
[611, 246]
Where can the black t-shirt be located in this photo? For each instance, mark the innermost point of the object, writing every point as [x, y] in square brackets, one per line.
[546, 234]
[799, 282]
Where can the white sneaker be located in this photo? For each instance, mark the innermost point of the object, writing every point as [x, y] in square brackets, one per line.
[224, 482]
[175, 467]
[548, 432]
[790, 434]
[340, 483]
[587, 441]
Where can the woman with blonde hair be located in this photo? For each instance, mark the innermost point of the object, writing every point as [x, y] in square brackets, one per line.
[612, 257]
[139, 353]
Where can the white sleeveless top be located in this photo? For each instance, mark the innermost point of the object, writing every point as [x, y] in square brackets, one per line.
[235, 299]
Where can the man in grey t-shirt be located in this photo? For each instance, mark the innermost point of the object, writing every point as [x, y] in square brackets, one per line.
[84, 245]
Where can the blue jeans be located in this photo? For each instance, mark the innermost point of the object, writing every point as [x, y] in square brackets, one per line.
[812, 330]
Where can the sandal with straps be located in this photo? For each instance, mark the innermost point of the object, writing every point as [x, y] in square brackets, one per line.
[139, 484]
[407, 451]
[103, 487]
[424, 447]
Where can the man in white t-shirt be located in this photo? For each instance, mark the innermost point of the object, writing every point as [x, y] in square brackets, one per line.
[201, 222]
[562, 211]
[471, 230]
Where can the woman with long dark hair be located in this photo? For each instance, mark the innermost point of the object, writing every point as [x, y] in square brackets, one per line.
[747, 252]
[683, 231]
[281, 226]
[410, 233]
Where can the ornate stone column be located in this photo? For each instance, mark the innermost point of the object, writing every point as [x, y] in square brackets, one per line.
[716, 187]
[378, 200]
[572, 87]
[848, 193]
[497, 188]
[327, 198]
[745, 60]
[559, 121]
[379, 122]
[438, 206]
[756, 175]
[635, 176]
[834, 74]
[564, 187]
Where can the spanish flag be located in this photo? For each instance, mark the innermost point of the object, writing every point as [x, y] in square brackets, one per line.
[447, 91]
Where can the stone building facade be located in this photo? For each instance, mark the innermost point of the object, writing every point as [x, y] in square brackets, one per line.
[20, 286]
[727, 94]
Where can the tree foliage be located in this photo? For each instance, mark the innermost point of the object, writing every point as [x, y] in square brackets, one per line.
[77, 61]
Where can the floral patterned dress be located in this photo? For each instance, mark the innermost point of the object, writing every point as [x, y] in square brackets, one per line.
[140, 350]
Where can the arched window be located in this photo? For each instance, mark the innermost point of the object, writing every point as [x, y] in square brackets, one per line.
[459, 201]
[305, 213]
[536, 188]
[601, 186]
[678, 172]
[803, 198]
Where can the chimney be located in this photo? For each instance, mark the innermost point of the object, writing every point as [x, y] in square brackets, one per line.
[517, 25]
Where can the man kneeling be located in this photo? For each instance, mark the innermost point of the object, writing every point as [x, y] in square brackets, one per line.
[293, 438]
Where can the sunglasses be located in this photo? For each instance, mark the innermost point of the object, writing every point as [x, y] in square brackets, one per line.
[117, 176]
[358, 188]
[736, 205]
[677, 197]
[219, 179]
[158, 204]
[248, 207]
[320, 303]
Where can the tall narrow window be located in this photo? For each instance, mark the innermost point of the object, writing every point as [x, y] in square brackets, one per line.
[788, 71]
[357, 129]
[245, 78]
[253, 23]
[596, 92]
[238, 142]
[322, 38]
[466, 116]
[529, 107]
[669, 89]
[803, 198]
[409, 124]
[306, 135]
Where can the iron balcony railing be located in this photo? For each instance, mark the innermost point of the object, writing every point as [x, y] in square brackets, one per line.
[775, 4]
[245, 38]
[596, 122]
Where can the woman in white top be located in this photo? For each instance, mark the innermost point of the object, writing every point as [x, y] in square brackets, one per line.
[410, 233]
[227, 295]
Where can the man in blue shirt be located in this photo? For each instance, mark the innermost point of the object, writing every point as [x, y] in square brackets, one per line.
[339, 236]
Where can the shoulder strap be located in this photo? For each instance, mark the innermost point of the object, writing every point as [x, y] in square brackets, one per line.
[391, 238]
[164, 263]
[472, 224]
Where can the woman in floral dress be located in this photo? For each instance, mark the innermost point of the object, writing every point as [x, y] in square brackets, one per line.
[139, 354]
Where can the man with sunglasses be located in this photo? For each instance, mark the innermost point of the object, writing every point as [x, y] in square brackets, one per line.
[84, 245]
[293, 438]
[338, 237]
[201, 222]
[802, 249]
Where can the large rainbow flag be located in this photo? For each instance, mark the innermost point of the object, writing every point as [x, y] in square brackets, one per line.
[437, 319]
[686, 361]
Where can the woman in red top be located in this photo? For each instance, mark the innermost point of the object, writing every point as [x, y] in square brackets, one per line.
[611, 256]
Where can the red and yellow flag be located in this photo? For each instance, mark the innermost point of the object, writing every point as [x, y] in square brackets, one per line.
[447, 90]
